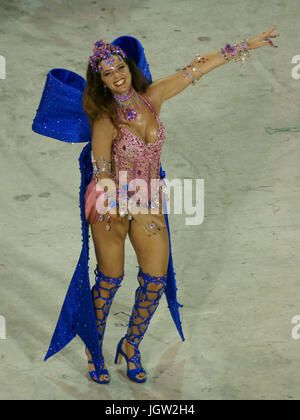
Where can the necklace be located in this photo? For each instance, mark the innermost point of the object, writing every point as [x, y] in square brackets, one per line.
[126, 103]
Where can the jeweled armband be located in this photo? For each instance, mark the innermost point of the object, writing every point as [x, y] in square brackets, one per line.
[191, 71]
[236, 52]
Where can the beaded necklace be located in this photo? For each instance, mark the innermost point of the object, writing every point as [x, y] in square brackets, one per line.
[126, 103]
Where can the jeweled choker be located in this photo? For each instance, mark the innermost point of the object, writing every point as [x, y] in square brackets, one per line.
[126, 103]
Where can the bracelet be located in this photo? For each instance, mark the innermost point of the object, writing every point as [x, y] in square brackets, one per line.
[190, 68]
[236, 52]
[101, 165]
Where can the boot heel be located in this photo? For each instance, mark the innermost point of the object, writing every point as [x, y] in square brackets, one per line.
[119, 358]
[119, 355]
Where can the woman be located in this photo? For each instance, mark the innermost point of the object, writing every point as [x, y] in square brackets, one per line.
[127, 135]
[61, 116]
[123, 108]
[109, 81]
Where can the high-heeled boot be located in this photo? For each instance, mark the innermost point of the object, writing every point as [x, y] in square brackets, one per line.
[147, 299]
[103, 293]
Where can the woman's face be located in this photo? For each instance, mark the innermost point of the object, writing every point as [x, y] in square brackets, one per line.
[116, 75]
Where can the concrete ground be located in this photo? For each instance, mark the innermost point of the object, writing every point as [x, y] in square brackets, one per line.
[237, 272]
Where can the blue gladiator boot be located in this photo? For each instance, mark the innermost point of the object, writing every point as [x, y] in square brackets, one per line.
[103, 293]
[147, 299]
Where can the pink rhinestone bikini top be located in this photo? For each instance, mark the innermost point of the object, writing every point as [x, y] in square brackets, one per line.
[131, 154]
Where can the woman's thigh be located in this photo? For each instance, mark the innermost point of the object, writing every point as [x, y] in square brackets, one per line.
[152, 251]
[110, 244]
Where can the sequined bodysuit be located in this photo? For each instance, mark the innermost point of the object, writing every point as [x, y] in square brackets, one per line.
[140, 161]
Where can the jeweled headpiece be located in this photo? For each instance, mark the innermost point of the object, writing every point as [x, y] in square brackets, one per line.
[104, 51]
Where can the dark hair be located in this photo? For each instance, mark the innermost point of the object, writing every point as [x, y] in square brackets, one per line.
[98, 102]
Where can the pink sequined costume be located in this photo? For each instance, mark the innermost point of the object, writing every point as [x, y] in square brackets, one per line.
[140, 160]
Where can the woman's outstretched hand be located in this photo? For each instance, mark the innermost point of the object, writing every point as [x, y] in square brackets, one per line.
[262, 39]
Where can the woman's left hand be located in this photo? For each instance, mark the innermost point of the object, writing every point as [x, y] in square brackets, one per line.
[262, 39]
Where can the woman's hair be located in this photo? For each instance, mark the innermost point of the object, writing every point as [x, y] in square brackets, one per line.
[99, 102]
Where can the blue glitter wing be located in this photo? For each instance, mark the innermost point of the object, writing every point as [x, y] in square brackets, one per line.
[60, 115]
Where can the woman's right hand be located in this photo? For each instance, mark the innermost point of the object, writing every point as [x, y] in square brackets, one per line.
[262, 39]
[158, 220]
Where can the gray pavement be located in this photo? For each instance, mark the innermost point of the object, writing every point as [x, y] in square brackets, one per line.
[237, 272]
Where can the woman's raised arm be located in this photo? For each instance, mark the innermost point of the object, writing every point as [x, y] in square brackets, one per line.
[167, 87]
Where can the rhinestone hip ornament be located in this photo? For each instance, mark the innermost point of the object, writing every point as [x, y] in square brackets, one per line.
[108, 227]
[101, 218]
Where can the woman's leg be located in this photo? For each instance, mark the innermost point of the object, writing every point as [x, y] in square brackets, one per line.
[153, 258]
[109, 250]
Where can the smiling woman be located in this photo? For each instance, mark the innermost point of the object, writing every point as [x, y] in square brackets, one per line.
[123, 108]
[98, 98]
[118, 94]
[127, 137]
[119, 119]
